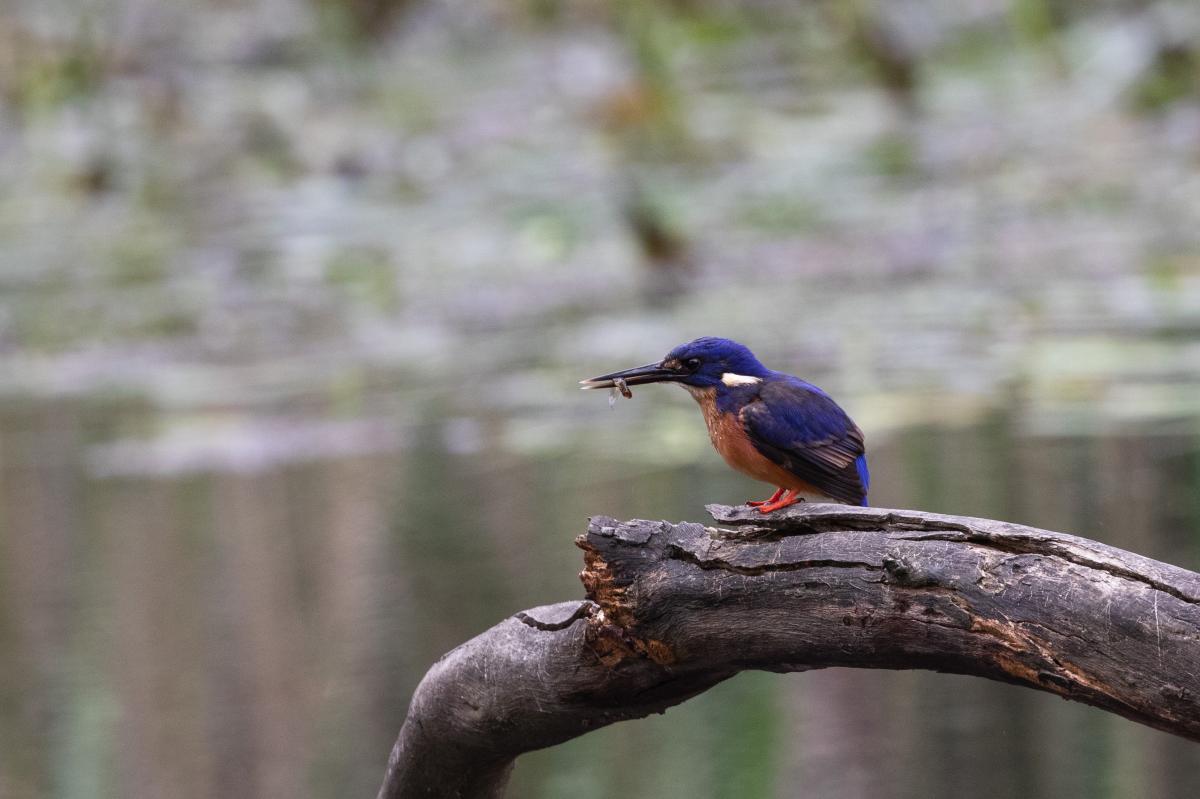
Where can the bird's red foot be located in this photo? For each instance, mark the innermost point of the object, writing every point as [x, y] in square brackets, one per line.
[754, 503]
[789, 498]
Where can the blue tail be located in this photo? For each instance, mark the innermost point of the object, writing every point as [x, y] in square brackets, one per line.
[863, 475]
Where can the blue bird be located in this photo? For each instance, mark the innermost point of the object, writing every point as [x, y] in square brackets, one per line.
[769, 425]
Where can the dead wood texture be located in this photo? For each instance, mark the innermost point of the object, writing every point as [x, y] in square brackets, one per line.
[673, 609]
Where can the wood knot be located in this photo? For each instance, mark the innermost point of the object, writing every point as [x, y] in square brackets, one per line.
[903, 572]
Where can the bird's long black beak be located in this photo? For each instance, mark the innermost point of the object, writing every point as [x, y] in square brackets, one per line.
[650, 373]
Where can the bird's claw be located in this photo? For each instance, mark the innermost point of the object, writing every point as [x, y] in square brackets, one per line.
[755, 503]
[788, 498]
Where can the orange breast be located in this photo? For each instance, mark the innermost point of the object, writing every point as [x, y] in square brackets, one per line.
[729, 438]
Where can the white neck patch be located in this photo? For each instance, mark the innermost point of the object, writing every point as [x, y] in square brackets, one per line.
[731, 379]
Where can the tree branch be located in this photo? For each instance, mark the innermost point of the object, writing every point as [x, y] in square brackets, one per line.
[673, 609]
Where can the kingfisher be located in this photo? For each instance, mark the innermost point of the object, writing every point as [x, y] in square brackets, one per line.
[769, 425]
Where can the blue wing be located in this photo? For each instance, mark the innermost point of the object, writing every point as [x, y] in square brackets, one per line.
[797, 426]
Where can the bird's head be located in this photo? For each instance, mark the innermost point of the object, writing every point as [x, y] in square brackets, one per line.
[704, 363]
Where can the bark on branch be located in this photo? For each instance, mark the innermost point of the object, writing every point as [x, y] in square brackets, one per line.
[673, 609]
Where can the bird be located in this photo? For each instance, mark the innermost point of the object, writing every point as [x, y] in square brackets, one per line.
[769, 425]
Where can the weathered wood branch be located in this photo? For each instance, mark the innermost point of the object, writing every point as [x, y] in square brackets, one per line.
[674, 609]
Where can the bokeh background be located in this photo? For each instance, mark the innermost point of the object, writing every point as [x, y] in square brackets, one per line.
[294, 295]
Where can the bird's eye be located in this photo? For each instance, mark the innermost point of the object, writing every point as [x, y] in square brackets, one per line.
[692, 363]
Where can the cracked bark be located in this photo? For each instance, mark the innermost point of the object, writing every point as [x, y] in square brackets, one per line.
[673, 609]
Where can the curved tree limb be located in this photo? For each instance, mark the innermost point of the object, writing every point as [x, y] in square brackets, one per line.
[674, 609]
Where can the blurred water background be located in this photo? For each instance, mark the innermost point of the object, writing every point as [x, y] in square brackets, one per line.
[294, 295]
